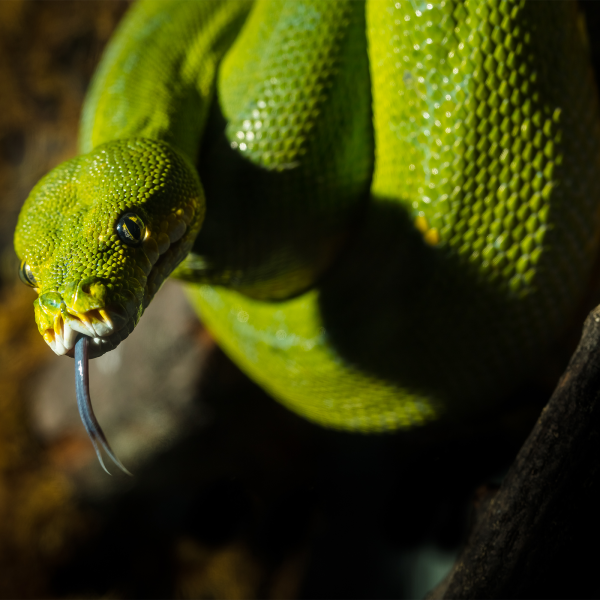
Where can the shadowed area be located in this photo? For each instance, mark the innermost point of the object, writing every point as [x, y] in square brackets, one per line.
[233, 495]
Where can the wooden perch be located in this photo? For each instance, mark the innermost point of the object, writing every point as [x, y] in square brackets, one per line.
[539, 535]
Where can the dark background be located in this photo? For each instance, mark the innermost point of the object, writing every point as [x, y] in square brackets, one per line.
[233, 496]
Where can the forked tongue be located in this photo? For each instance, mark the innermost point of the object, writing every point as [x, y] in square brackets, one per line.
[84, 403]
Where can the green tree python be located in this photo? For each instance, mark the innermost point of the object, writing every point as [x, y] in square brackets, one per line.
[385, 210]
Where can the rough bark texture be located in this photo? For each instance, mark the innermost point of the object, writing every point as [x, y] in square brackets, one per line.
[537, 537]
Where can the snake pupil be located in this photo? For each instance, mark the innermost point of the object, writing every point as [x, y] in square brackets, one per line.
[26, 275]
[131, 229]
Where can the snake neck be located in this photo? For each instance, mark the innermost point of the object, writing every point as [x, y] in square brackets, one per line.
[157, 78]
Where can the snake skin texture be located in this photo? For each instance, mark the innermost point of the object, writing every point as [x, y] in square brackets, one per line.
[402, 200]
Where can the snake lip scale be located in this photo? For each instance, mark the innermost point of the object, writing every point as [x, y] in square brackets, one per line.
[97, 324]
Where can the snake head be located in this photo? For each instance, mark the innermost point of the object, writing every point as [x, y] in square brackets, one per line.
[99, 235]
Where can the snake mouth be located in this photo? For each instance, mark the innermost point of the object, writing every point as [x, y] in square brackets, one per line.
[106, 328]
[107, 324]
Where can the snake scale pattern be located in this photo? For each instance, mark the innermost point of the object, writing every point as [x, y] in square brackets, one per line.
[385, 211]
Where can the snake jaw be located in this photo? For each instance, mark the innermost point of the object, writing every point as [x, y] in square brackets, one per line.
[61, 324]
[106, 328]
[80, 309]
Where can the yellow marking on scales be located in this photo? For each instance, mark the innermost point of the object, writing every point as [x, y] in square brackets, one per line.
[430, 235]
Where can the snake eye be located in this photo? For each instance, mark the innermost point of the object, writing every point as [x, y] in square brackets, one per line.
[26, 276]
[131, 229]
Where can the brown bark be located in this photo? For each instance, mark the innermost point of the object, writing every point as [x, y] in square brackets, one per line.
[537, 536]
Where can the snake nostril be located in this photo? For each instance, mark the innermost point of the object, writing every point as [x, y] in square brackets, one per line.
[93, 288]
[87, 294]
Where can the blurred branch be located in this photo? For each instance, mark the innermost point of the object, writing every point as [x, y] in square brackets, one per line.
[532, 537]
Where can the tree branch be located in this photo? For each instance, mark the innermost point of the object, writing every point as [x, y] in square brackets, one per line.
[538, 535]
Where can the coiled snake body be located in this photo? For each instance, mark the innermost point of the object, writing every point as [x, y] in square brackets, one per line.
[385, 209]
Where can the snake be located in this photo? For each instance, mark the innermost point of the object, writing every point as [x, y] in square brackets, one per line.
[384, 212]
